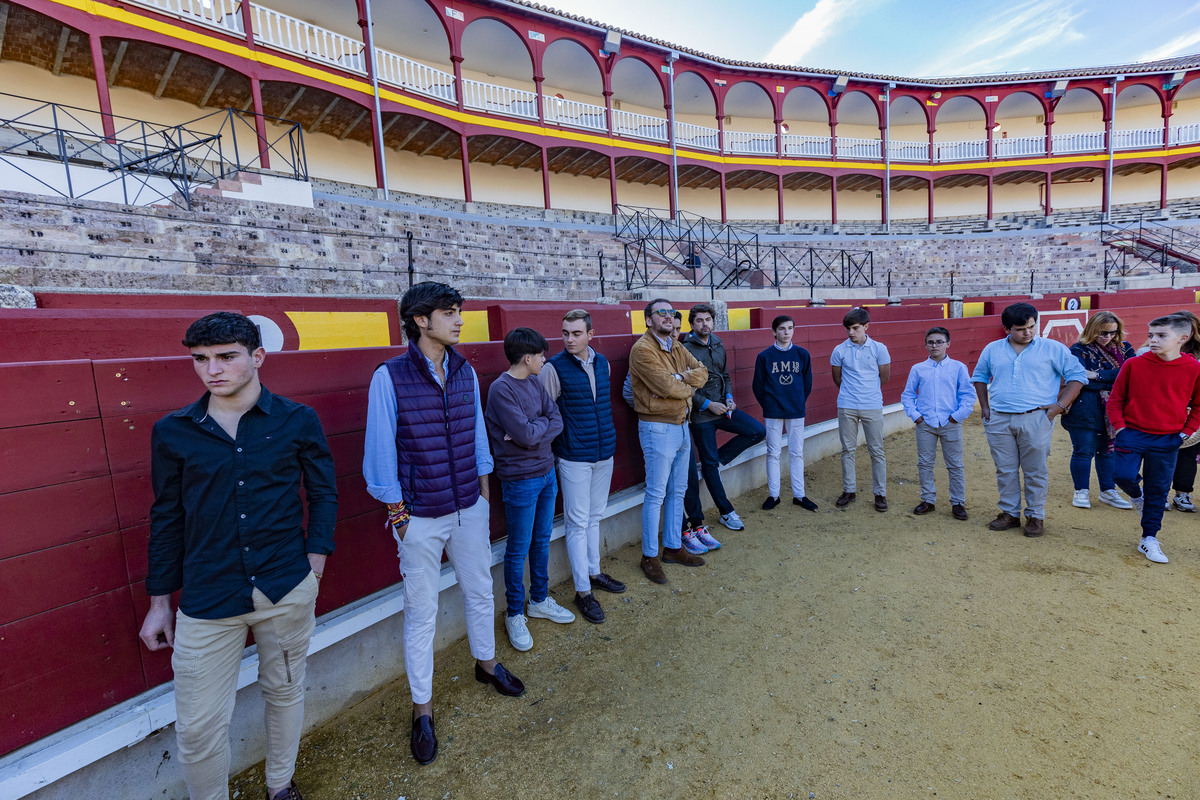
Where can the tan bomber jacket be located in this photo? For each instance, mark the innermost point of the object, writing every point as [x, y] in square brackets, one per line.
[658, 396]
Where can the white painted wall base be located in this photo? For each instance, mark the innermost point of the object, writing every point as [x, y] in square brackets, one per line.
[128, 751]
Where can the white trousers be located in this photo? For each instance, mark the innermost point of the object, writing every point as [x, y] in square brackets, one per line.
[585, 497]
[464, 537]
[795, 434]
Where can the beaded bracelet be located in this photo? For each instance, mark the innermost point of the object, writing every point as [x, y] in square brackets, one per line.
[397, 515]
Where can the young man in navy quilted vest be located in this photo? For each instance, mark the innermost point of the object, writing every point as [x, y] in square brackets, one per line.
[578, 380]
[427, 458]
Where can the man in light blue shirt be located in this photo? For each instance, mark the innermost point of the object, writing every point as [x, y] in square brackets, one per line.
[938, 397]
[860, 367]
[1023, 382]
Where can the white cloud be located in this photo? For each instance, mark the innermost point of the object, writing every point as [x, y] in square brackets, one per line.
[1183, 44]
[810, 30]
[1001, 41]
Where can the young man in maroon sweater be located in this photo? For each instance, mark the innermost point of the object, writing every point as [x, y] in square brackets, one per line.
[1152, 419]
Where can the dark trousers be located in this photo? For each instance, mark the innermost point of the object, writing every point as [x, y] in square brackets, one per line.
[1155, 455]
[747, 432]
[1086, 446]
[1185, 469]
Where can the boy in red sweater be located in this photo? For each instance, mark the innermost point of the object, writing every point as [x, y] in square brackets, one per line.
[1152, 419]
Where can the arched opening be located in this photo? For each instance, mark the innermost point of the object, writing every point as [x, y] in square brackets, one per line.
[505, 169]
[805, 123]
[960, 201]
[639, 107]
[909, 198]
[579, 179]
[1185, 114]
[857, 127]
[426, 156]
[1137, 183]
[961, 133]
[1016, 194]
[860, 198]
[1078, 123]
[695, 112]
[413, 29]
[573, 91]
[1183, 182]
[908, 130]
[497, 71]
[1077, 190]
[1137, 120]
[1021, 130]
[749, 120]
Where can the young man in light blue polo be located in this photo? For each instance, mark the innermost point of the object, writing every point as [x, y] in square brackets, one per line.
[861, 366]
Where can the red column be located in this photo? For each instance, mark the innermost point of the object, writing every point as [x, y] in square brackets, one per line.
[833, 138]
[989, 198]
[106, 119]
[1049, 133]
[260, 128]
[1162, 190]
[724, 214]
[779, 185]
[720, 135]
[932, 152]
[537, 88]
[779, 138]
[608, 117]
[248, 23]
[612, 180]
[545, 177]
[466, 165]
[1166, 142]
[833, 199]
[458, 79]
[931, 201]
[1049, 181]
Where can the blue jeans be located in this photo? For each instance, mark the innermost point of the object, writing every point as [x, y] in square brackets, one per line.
[1155, 454]
[529, 512]
[748, 432]
[666, 448]
[1087, 446]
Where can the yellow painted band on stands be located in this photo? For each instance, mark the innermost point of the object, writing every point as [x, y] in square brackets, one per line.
[362, 87]
[475, 327]
[330, 330]
[739, 319]
[972, 309]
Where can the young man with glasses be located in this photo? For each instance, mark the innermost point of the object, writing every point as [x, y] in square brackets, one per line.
[938, 397]
[664, 376]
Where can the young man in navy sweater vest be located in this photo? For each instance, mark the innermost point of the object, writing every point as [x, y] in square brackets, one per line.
[782, 384]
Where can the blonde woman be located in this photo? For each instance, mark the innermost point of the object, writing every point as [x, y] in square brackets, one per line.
[1101, 350]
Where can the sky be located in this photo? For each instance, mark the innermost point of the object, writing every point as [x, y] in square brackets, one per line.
[913, 38]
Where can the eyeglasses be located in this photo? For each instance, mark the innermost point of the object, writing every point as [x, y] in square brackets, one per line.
[1106, 333]
[664, 312]
[938, 343]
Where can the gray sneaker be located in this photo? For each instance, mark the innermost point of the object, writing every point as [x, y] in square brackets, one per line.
[731, 521]
[549, 609]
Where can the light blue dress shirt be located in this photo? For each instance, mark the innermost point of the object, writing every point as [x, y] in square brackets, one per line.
[938, 390]
[1024, 381]
[860, 363]
[380, 466]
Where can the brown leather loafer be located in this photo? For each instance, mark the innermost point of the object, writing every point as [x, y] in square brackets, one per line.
[1004, 521]
[846, 499]
[958, 511]
[924, 508]
[681, 556]
[291, 792]
[1033, 527]
[502, 680]
[880, 503]
[653, 569]
[424, 743]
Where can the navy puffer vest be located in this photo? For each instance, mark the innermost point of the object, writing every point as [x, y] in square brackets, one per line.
[588, 433]
[435, 434]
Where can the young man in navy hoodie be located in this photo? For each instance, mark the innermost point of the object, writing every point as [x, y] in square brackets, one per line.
[1152, 420]
[782, 384]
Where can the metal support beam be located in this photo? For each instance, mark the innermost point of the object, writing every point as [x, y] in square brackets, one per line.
[212, 85]
[321, 117]
[350, 127]
[166, 76]
[112, 73]
[62, 50]
[291, 103]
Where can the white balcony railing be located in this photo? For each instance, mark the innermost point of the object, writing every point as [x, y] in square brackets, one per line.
[1077, 142]
[1185, 134]
[573, 114]
[797, 144]
[224, 15]
[859, 148]
[639, 126]
[960, 151]
[303, 38]
[1136, 139]
[499, 99]
[762, 144]
[1019, 146]
[908, 151]
[413, 76]
[697, 137]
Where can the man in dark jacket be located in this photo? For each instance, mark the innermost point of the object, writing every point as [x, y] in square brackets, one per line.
[426, 457]
[713, 409]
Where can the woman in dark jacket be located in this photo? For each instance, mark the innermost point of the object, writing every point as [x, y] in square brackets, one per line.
[1101, 350]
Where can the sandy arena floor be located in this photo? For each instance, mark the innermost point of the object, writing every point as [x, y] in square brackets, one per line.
[830, 655]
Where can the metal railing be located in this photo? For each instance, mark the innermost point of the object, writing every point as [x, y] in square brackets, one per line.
[407, 74]
[147, 162]
[574, 114]
[693, 250]
[1165, 248]
[499, 99]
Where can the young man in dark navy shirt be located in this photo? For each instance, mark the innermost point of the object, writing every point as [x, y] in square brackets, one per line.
[226, 530]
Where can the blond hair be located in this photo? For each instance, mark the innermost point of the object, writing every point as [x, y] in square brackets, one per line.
[1091, 331]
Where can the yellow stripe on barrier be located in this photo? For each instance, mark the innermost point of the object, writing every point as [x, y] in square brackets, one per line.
[475, 327]
[972, 309]
[739, 319]
[332, 330]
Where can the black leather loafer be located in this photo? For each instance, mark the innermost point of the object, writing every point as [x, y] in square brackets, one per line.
[424, 741]
[504, 681]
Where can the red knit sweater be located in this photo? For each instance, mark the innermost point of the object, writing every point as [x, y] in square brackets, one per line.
[1156, 396]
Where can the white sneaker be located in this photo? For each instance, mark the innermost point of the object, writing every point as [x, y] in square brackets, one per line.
[518, 632]
[1183, 502]
[1080, 500]
[1150, 548]
[733, 521]
[548, 609]
[1113, 498]
[1138, 503]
